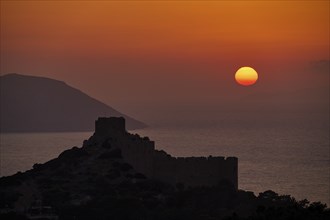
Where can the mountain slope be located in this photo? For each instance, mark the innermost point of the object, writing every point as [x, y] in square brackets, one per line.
[37, 104]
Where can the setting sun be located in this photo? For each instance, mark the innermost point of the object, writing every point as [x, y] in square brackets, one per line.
[246, 76]
[127, 109]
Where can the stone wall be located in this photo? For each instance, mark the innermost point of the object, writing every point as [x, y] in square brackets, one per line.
[195, 171]
[141, 154]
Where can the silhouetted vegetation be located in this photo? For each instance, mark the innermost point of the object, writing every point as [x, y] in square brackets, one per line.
[140, 201]
[14, 180]
[73, 153]
[152, 199]
[82, 185]
[139, 176]
[125, 167]
[113, 174]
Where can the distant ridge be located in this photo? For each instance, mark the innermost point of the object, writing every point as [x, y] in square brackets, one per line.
[38, 104]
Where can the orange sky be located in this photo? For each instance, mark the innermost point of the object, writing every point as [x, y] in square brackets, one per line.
[181, 41]
[214, 30]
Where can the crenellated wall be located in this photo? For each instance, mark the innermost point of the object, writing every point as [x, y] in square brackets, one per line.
[141, 154]
[195, 171]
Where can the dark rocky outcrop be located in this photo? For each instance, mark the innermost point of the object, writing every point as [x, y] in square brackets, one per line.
[97, 181]
[141, 154]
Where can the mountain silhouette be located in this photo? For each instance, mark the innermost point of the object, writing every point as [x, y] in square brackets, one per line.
[38, 104]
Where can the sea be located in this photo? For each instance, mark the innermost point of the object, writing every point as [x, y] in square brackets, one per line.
[288, 159]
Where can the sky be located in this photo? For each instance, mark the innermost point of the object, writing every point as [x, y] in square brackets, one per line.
[154, 59]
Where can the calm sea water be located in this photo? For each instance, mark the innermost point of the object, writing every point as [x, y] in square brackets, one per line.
[287, 159]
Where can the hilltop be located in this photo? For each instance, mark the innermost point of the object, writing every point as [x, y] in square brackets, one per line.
[38, 104]
[96, 180]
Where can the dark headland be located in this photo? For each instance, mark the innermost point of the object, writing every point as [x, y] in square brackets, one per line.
[39, 104]
[118, 175]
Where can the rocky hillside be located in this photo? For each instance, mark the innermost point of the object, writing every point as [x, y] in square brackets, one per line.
[96, 182]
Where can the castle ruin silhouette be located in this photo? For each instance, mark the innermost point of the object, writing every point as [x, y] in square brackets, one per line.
[157, 164]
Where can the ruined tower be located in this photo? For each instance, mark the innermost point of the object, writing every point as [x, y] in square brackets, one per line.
[141, 154]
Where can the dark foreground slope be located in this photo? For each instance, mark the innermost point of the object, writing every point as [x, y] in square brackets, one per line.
[95, 182]
[36, 104]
